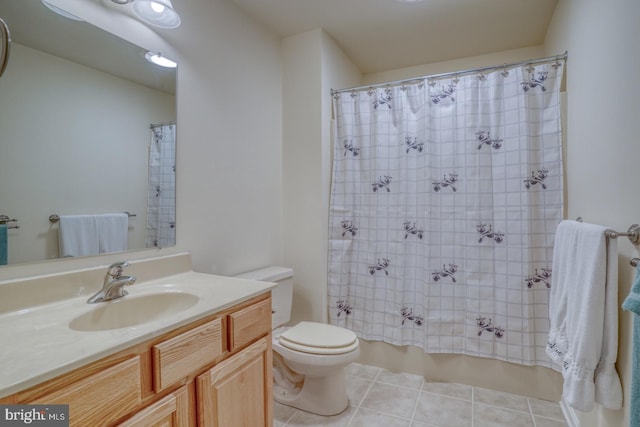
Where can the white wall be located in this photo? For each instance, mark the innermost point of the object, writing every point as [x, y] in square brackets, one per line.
[313, 64]
[74, 141]
[603, 125]
[497, 58]
[230, 139]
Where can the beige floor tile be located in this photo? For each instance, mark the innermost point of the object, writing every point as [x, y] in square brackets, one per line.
[364, 371]
[356, 389]
[443, 411]
[307, 419]
[501, 399]
[382, 398]
[492, 416]
[421, 424]
[368, 418]
[546, 409]
[282, 413]
[549, 422]
[391, 399]
[459, 391]
[400, 379]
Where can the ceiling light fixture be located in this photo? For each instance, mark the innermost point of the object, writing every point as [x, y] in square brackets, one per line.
[158, 59]
[60, 11]
[157, 12]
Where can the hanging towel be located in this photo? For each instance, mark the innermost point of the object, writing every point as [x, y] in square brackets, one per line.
[112, 232]
[632, 303]
[583, 314]
[4, 241]
[77, 235]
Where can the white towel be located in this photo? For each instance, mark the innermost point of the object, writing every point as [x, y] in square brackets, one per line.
[583, 314]
[112, 232]
[77, 236]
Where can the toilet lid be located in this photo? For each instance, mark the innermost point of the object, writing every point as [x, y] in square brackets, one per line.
[319, 338]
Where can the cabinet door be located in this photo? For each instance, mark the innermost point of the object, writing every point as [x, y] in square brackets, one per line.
[170, 411]
[237, 392]
[102, 398]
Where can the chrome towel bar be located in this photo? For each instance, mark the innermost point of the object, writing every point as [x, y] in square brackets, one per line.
[633, 233]
[53, 218]
[4, 219]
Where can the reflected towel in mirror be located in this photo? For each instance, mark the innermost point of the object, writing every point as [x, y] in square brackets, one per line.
[4, 250]
[83, 235]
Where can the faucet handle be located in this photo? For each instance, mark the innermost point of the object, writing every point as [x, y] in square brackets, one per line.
[115, 269]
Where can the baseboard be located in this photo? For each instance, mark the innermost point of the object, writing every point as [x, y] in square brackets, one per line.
[569, 414]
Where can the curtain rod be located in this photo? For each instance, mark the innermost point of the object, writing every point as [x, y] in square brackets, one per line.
[556, 58]
[154, 125]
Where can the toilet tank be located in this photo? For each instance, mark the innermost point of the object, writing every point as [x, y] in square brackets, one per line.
[281, 295]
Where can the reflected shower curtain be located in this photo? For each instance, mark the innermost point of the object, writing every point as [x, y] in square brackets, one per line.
[161, 197]
[444, 203]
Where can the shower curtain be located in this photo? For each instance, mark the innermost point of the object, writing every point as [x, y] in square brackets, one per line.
[161, 196]
[445, 198]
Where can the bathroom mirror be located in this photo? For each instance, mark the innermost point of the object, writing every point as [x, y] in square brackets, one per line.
[5, 45]
[76, 108]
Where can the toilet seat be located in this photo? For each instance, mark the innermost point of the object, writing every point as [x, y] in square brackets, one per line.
[319, 338]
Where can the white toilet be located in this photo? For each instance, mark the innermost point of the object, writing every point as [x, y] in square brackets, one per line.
[308, 358]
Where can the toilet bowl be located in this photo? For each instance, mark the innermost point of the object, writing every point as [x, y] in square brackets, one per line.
[308, 358]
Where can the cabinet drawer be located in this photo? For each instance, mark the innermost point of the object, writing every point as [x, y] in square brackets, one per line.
[249, 323]
[170, 411]
[182, 355]
[101, 398]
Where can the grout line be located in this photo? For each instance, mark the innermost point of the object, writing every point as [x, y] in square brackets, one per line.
[504, 408]
[473, 406]
[415, 406]
[386, 414]
[448, 396]
[364, 396]
[531, 412]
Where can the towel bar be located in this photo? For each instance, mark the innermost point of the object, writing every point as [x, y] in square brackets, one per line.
[5, 219]
[633, 233]
[53, 218]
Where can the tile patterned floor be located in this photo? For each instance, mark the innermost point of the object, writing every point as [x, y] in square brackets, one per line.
[381, 398]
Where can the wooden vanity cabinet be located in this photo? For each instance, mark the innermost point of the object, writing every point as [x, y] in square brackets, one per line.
[233, 392]
[213, 372]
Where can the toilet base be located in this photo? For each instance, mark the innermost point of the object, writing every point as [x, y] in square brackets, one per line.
[324, 395]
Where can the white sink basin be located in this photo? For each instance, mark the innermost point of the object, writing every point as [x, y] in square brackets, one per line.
[132, 311]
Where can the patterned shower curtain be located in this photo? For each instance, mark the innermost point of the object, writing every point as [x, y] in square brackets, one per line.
[444, 203]
[161, 198]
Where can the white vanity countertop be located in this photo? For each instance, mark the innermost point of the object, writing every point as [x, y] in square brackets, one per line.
[37, 344]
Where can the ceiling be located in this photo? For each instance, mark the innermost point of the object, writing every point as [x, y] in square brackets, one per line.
[381, 35]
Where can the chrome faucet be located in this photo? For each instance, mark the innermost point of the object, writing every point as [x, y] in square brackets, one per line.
[114, 283]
